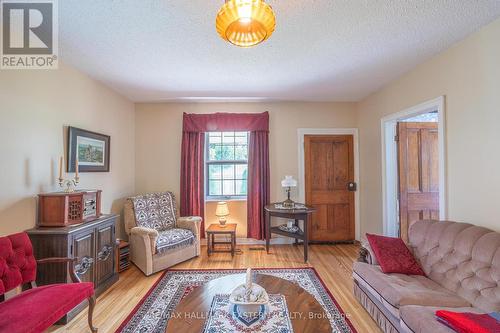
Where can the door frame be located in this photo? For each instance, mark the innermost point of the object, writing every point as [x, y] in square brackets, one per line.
[389, 161]
[301, 132]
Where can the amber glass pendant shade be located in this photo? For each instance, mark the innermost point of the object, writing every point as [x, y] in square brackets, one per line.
[245, 23]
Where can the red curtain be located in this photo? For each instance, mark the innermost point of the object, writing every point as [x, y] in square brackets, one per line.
[193, 169]
[218, 122]
[193, 175]
[258, 183]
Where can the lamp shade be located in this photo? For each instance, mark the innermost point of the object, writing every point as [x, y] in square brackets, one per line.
[245, 23]
[288, 182]
[222, 209]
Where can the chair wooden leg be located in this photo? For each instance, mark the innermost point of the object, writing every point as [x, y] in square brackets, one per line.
[91, 312]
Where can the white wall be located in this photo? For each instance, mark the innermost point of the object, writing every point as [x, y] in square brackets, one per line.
[35, 105]
[159, 133]
[468, 75]
[145, 143]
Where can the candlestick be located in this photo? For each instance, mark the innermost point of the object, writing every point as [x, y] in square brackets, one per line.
[69, 185]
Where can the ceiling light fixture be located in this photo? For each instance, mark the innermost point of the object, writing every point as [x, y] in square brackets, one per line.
[245, 23]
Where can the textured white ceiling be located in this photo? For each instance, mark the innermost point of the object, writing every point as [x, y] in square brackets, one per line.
[322, 50]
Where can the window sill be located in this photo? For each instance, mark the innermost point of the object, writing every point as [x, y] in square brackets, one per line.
[225, 200]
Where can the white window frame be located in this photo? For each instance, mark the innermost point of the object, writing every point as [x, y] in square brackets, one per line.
[209, 197]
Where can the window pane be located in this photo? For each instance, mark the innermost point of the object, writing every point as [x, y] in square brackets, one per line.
[215, 187]
[241, 138]
[241, 153]
[241, 171]
[214, 172]
[241, 187]
[228, 187]
[215, 152]
[215, 137]
[227, 153]
[227, 179]
[228, 137]
[228, 171]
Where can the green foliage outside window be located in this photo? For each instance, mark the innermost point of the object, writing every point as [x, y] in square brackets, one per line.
[227, 164]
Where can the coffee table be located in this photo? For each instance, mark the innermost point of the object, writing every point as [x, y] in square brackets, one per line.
[307, 315]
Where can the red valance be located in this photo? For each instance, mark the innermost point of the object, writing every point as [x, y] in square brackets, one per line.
[214, 122]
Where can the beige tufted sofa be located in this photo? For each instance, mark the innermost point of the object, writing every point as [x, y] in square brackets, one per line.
[145, 250]
[462, 264]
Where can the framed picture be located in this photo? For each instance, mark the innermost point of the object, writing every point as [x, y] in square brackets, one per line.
[91, 148]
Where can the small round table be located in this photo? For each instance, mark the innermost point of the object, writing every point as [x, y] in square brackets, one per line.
[306, 314]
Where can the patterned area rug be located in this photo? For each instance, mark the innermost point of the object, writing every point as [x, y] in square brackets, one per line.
[151, 315]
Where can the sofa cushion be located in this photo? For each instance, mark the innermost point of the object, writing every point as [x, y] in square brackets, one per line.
[462, 258]
[401, 289]
[393, 255]
[37, 309]
[422, 319]
[173, 238]
[155, 210]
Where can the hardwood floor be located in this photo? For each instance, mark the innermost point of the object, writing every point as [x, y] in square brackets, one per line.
[333, 263]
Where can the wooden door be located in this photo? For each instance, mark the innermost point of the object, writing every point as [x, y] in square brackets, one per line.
[84, 250]
[105, 252]
[329, 169]
[418, 164]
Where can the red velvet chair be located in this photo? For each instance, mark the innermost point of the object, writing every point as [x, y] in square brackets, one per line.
[38, 308]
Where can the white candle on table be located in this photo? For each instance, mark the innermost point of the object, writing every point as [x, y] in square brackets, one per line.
[60, 167]
[76, 167]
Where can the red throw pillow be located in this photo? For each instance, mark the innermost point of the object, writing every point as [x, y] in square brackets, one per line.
[393, 255]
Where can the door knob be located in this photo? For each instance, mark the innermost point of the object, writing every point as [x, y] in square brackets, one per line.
[352, 187]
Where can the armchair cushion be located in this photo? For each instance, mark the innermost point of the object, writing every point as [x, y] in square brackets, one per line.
[155, 210]
[45, 305]
[174, 238]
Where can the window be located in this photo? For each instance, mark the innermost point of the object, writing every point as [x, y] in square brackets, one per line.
[226, 165]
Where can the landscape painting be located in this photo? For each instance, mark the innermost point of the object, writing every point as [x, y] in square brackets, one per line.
[90, 149]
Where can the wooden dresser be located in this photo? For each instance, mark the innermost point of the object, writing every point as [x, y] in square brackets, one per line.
[93, 243]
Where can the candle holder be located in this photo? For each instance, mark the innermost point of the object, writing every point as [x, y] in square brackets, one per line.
[69, 184]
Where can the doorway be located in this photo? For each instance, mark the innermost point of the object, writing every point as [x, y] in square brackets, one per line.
[413, 167]
[328, 170]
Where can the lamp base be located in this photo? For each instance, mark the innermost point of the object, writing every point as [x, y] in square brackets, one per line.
[288, 203]
[222, 223]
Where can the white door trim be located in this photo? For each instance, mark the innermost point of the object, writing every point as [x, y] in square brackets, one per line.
[389, 151]
[301, 132]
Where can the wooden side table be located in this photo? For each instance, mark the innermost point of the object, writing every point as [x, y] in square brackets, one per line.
[303, 214]
[217, 229]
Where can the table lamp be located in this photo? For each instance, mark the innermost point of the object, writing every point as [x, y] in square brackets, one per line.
[222, 211]
[288, 183]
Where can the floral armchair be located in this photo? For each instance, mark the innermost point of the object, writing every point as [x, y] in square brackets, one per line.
[158, 238]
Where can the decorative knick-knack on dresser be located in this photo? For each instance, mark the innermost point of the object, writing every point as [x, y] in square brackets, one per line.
[62, 209]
